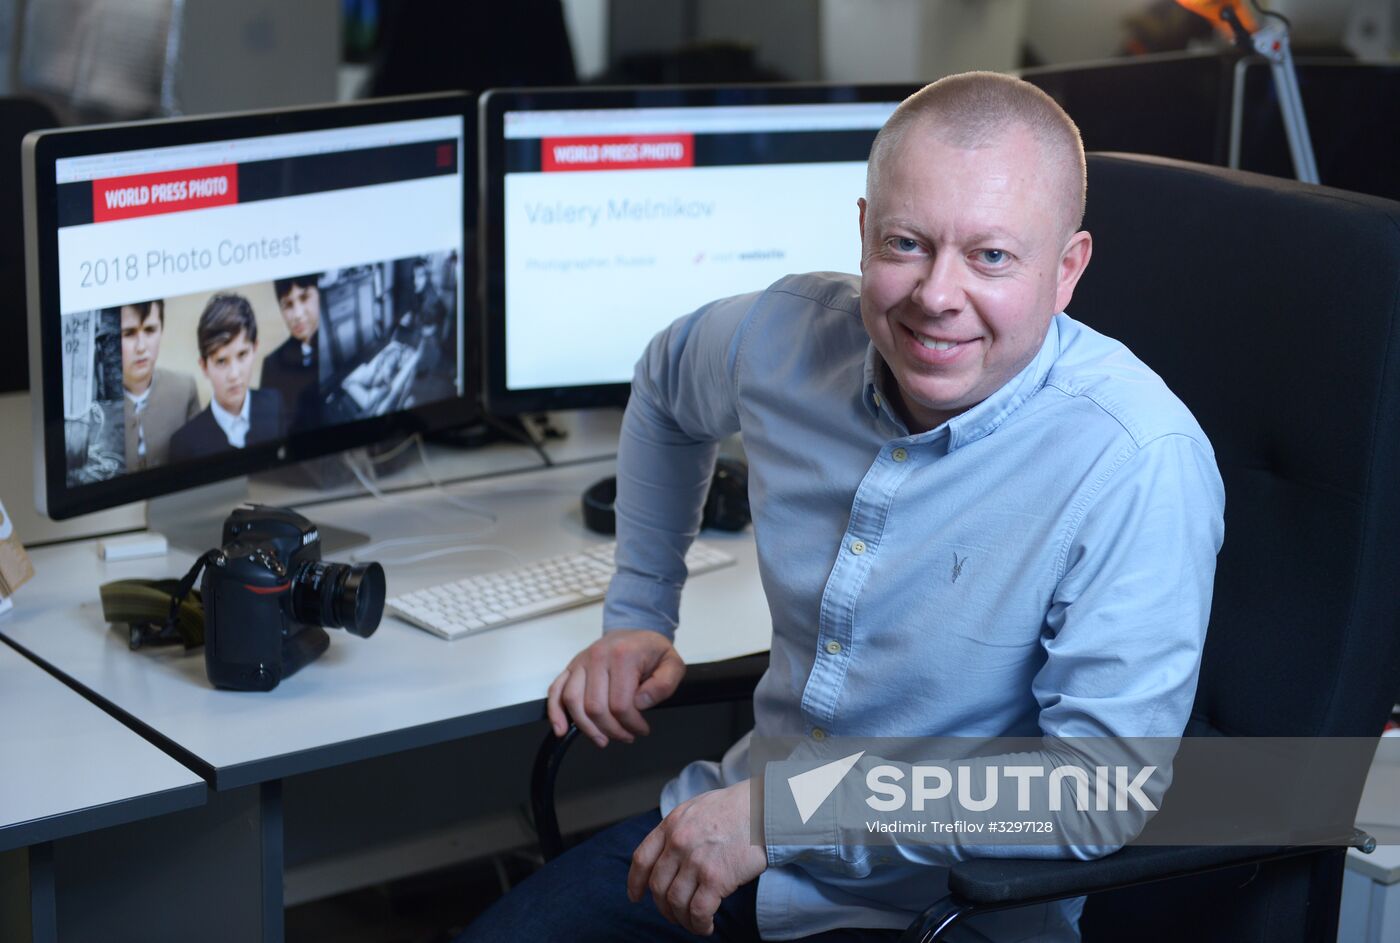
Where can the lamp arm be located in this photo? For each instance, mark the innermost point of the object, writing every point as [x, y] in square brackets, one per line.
[1271, 42]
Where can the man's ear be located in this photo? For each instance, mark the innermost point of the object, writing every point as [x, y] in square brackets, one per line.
[1073, 261]
[862, 206]
[204, 367]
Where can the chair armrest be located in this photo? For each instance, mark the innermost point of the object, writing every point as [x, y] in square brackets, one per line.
[998, 881]
[986, 884]
[708, 683]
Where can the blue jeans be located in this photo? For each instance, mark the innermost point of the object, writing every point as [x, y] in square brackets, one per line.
[581, 896]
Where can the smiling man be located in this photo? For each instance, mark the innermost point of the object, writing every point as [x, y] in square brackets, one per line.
[975, 517]
[157, 401]
[236, 416]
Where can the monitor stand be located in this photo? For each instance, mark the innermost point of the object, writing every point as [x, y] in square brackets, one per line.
[193, 520]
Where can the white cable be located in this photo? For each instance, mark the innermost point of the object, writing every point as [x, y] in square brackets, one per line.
[373, 550]
[442, 489]
[377, 492]
[393, 453]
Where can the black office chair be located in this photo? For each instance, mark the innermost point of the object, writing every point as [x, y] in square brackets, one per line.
[1272, 308]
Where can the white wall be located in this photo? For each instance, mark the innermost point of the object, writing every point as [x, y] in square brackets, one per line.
[918, 40]
[587, 22]
[1078, 30]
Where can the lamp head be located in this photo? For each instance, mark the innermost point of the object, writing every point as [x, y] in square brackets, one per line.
[1220, 13]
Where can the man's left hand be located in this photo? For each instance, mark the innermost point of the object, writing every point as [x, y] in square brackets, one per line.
[700, 854]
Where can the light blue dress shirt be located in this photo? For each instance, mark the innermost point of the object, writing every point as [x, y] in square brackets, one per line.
[1040, 564]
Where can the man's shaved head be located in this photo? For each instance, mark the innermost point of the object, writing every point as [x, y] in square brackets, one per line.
[976, 109]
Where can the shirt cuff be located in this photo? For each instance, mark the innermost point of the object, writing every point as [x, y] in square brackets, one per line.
[640, 602]
[786, 842]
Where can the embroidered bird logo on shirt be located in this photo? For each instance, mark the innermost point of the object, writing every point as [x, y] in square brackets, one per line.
[957, 566]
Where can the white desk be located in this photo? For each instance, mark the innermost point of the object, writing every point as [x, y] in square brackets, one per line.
[400, 689]
[67, 767]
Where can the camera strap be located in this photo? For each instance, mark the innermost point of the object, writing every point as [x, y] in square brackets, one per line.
[186, 584]
[158, 612]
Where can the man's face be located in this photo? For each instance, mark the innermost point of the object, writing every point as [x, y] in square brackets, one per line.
[228, 369]
[301, 309]
[964, 261]
[140, 348]
[420, 278]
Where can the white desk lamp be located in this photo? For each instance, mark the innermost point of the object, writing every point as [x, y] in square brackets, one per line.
[1270, 40]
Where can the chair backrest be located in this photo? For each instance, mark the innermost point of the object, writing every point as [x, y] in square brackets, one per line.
[1272, 308]
[18, 116]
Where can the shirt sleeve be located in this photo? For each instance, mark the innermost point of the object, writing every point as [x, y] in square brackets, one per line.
[684, 401]
[1123, 643]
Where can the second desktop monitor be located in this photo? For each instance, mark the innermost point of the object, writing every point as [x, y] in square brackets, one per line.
[610, 213]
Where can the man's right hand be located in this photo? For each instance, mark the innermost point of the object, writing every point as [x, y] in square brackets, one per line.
[608, 685]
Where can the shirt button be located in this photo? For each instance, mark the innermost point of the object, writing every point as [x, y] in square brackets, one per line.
[833, 648]
[818, 733]
[858, 547]
[899, 455]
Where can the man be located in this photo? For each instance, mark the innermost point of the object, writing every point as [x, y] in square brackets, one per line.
[295, 368]
[975, 517]
[157, 401]
[236, 416]
[423, 324]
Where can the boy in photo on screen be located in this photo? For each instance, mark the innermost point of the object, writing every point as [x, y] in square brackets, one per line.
[295, 369]
[157, 401]
[236, 416]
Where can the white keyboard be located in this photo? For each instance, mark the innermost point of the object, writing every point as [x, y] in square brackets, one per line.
[452, 610]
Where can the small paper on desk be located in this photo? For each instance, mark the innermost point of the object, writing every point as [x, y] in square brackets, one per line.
[15, 567]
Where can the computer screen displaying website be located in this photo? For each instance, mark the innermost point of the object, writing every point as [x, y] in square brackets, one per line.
[232, 293]
[619, 220]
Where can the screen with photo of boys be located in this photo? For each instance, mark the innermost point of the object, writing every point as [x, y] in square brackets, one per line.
[220, 295]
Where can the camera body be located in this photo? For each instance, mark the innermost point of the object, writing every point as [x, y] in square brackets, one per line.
[268, 594]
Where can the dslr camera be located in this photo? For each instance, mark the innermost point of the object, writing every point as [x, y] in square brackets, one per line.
[268, 596]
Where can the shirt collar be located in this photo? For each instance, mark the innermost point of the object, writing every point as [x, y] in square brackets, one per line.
[982, 419]
[228, 421]
[139, 399]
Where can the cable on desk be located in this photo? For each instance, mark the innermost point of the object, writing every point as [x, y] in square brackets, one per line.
[374, 550]
[459, 503]
[393, 453]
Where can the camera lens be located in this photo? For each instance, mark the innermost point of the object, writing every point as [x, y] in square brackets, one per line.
[337, 595]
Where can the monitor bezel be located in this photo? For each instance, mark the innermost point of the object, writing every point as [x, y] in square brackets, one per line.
[499, 399]
[53, 496]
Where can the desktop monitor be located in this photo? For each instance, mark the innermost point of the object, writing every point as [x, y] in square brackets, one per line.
[213, 296]
[608, 213]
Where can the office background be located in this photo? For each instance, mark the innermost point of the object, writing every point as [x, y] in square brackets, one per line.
[407, 859]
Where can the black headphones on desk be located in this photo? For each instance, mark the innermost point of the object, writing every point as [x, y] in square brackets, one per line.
[726, 506]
